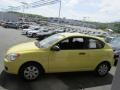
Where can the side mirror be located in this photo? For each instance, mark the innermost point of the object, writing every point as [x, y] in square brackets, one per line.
[55, 48]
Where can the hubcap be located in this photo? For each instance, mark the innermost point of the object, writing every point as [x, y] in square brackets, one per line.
[103, 69]
[31, 72]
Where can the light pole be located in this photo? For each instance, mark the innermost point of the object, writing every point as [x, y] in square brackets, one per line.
[59, 11]
[85, 19]
[23, 10]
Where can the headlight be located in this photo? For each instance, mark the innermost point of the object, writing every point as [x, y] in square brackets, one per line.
[12, 56]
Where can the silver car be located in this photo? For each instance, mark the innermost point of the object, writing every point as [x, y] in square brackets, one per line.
[115, 43]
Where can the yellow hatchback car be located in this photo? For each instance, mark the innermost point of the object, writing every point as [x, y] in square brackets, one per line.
[63, 52]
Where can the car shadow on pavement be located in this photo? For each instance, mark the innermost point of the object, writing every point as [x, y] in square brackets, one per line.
[78, 80]
[61, 81]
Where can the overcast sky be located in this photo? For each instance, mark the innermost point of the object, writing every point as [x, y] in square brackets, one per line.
[94, 10]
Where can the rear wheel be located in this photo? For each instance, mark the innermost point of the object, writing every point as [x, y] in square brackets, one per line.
[30, 71]
[102, 69]
[26, 33]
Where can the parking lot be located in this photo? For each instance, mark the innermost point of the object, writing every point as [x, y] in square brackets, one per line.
[62, 81]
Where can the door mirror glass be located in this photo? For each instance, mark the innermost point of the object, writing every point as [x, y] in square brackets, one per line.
[55, 48]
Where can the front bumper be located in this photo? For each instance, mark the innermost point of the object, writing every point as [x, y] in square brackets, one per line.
[10, 67]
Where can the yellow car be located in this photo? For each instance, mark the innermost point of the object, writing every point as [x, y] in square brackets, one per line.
[63, 52]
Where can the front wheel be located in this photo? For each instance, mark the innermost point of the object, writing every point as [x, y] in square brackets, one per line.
[30, 71]
[102, 69]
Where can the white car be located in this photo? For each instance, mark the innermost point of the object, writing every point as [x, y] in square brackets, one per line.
[115, 43]
[59, 31]
[25, 31]
[45, 33]
[33, 33]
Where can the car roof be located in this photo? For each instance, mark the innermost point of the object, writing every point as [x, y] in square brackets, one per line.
[79, 34]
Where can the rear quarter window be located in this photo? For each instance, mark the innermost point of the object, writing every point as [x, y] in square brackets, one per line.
[95, 44]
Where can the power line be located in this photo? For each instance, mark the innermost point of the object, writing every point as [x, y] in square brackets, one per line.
[45, 3]
[33, 5]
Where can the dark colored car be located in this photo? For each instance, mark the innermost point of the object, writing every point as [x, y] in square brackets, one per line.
[25, 26]
[11, 25]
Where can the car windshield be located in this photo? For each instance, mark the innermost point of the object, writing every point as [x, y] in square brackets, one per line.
[36, 28]
[50, 40]
[115, 42]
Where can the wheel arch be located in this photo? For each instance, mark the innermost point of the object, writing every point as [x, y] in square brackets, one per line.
[104, 62]
[33, 62]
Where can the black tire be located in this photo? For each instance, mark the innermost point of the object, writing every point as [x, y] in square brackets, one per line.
[31, 71]
[102, 69]
[34, 35]
[26, 33]
[5, 26]
[115, 63]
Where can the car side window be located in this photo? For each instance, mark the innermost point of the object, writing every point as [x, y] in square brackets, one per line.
[74, 43]
[78, 43]
[36, 28]
[95, 44]
[64, 44]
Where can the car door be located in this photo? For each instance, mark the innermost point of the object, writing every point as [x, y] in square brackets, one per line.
[72, 57]
[97, 53]
[58, 60]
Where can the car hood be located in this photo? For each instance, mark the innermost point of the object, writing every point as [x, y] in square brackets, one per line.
[33, 31]
[26, 29]
[29, 46]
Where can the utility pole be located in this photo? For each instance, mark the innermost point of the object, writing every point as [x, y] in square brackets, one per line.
[60, 3]
[23, 10]
[84, 23]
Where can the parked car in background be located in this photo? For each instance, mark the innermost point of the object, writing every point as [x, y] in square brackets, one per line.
[109, 39]
[11, 25]
[115, 43]
[2, 24]
[25, 31]
[44, 33]
[63, 52]
[25, 26]
[33, 33]
[59, 30]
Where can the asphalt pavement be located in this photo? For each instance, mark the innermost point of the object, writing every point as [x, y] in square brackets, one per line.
[61, 81]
